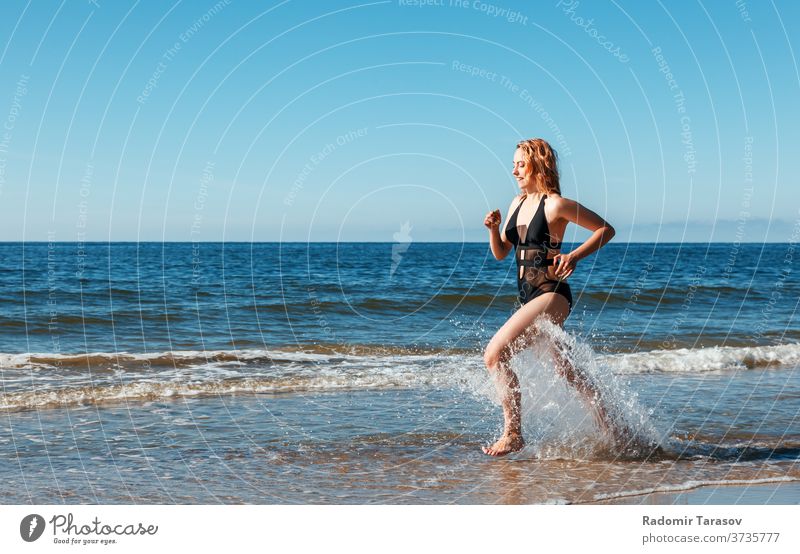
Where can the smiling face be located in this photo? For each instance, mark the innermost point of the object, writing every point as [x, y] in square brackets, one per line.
[536, 167]
[523, 172]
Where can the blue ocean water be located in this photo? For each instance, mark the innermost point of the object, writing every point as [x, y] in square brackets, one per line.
[345, 372]
[159, 297]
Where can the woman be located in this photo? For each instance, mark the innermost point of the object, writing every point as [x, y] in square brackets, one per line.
[537, 220]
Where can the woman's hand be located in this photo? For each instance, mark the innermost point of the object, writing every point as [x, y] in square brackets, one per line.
[564, 264]
[492, 220]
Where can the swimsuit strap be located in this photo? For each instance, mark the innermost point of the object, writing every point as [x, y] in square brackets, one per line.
[513, 217]
[554, 245]
[545, 240]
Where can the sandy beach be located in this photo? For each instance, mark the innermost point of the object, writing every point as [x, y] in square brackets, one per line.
[768, 493]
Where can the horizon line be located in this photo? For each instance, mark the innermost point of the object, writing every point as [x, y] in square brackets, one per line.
[359, 242]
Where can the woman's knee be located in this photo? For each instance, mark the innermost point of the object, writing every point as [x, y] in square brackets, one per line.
[495, 355]
[491, 357]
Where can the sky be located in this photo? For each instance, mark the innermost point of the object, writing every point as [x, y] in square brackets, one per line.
[225, 120]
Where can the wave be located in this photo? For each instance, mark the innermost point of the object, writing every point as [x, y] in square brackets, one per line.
[192, 358]
[689, 360]
[155, 390]
[649, 296]
[671, 295]
[715, 358]
[690, 485]
[50, 380]
[482, 300]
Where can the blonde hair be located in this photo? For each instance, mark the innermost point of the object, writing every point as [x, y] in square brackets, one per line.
[543, 161]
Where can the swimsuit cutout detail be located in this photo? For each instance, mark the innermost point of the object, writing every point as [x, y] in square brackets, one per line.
[531, 254]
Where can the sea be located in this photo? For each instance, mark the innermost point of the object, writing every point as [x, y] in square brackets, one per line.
[353, 373]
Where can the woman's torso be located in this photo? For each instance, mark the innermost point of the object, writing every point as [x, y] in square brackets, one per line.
[534, 230]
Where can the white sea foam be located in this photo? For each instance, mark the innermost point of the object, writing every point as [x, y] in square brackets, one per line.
[49, 378]
[680, 360]
[198, 357]
[153, 390]
[559, 421]
[706, 359]
[690, 485]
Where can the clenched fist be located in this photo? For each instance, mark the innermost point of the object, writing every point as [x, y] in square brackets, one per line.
[492, 220]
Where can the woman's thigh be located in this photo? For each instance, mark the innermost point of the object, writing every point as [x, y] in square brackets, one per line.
[518, 330]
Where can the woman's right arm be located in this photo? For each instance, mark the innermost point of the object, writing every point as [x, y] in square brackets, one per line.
[497, 240]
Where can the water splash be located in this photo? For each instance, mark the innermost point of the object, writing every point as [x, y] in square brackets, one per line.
[560, 422]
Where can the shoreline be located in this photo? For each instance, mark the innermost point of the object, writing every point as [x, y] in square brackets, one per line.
[775, 493]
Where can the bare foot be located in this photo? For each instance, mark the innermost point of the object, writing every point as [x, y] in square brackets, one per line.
[509, 442]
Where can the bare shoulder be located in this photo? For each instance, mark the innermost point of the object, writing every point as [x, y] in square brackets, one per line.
[515, 201]
[575, 212]
[561, 205]
[558, 200]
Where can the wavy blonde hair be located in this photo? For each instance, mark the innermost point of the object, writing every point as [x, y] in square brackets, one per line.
[543, 161]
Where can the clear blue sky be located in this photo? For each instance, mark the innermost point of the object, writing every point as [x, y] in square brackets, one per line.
[324, 121]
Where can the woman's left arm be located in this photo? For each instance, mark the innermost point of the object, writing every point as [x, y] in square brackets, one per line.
[602, 232]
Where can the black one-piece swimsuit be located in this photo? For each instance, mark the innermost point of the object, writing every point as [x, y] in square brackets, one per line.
[532, 243]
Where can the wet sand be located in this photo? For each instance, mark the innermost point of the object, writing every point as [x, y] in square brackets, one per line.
[379, 447]
[768, 493]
